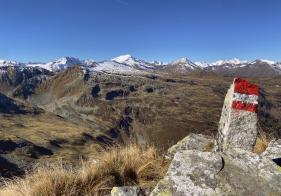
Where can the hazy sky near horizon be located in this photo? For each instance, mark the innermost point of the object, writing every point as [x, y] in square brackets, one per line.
[201, 30]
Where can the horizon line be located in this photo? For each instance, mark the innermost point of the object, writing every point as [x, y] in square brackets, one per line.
[109, 59]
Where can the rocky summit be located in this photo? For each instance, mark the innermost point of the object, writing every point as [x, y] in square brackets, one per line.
[80, 112]
[226, 164]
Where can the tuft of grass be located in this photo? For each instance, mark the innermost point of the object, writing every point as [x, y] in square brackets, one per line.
[209, 147]
[261, 144]
[120, 166]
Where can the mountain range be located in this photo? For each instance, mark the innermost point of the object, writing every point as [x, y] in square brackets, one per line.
[68, 108]
[127, 64]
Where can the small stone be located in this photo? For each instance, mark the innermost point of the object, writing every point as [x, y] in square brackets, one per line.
[130, 191]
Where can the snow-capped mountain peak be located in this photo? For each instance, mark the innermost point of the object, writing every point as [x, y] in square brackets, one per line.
[234, 61]
[268, 61]
[131, 61]
[67, 60]
[202, 64]
[183, 60]
[182, 66]
[263, 61]
[89, 62]
[4, 63]
[158, 63]
[58, 64]
[64, 62]
[127, 58]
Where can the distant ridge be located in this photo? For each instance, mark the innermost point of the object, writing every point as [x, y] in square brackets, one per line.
[127, 64]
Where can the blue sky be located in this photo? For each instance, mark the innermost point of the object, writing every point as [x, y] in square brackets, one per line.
[204, 30]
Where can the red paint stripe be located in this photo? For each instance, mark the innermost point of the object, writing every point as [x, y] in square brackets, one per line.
[245, 87]
[238, 105]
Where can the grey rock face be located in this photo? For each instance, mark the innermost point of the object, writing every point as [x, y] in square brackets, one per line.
[241, 131]
[233, 172]
[246, 173]
[191, 142]
[273, 151]
[224, 121]
[237, 128]
[130, 191]
[191, 173]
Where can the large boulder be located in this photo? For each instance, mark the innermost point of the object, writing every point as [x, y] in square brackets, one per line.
[233, 172]
[191, 173]
[191, 142]
[246, 173]
[238, 122]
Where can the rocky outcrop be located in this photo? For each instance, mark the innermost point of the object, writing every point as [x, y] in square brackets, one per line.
[233, 172]
[232, 168]
[191, 142]
[246, 173]
[181, 178]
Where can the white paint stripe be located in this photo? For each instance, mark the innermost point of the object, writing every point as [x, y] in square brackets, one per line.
[245, 98]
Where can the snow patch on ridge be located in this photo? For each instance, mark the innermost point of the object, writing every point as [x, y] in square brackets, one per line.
[134, 62]
[185, 63]
[263, 61]
[202, 64]
[127, 58]
[59, 64]
[114, 67]
[234, 61]
[4, 63]
[130, 64]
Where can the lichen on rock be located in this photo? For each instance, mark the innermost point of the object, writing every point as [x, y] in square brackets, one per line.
[191, 142]
[191, 173]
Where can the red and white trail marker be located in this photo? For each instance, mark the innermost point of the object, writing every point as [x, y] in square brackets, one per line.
[238, 122]
[245, 96]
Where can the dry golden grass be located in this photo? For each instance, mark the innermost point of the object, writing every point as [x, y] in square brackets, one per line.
[209, 147]
[131, 165]
[261, 144]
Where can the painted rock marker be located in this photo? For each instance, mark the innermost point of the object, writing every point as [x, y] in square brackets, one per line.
[238, 122]
[245, 95]
[233, 169]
